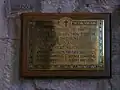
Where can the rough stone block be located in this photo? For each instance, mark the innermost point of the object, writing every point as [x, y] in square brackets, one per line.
[56, 6]
[116, 65]
[114, 82]
[10, 63]
[3, 62]
[104, 85]
[13, 58]
[115, 48]
[14, 28]
[3, 50]
[67, 84]
[3, 21]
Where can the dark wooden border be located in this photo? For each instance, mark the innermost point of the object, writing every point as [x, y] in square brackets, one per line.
[24, 72]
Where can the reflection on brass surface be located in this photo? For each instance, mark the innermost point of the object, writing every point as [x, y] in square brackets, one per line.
[66, 44]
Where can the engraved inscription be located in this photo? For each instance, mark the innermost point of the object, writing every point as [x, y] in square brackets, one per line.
[67, 44]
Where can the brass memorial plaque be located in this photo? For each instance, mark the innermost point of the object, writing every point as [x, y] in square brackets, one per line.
[63, 43]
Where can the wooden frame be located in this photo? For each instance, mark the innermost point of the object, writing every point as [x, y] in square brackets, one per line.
[28, 18]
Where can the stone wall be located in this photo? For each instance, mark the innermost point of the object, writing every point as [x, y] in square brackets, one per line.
[10, 40]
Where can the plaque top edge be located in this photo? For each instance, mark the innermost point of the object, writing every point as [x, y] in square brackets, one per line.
[83, 13]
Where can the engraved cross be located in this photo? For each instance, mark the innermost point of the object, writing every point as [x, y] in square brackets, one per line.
[66, 22]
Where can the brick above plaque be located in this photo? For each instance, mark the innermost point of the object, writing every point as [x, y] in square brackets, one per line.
[65, 45]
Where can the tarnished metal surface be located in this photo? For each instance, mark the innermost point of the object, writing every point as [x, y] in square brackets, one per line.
[62, 44]
[9, 46]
